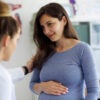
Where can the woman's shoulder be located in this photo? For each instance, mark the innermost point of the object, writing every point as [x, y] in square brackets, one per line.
[4, 74]
[83, 45]
[85, 48]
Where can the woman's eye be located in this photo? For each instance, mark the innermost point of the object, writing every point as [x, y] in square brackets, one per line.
[49, 24]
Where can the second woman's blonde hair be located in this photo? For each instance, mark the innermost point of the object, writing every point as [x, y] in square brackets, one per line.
[5, 9]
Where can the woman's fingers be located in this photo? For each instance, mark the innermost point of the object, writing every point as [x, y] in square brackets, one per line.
[29, 64]
[54, 88]
[59, 89]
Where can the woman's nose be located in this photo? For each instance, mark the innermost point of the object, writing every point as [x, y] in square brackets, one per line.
[46, 30]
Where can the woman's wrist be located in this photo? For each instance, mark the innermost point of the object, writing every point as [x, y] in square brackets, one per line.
[42, 86]
[25, 70]
[38, 88]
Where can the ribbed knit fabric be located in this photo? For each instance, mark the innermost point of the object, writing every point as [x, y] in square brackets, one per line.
[71, 68]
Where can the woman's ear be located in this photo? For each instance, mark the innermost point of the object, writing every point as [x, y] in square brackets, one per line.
[64, 20]
[5, 40]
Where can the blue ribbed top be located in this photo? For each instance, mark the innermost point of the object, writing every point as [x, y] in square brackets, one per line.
[71, 68]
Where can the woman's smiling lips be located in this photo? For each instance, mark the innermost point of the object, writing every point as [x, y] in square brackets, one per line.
[51, 35]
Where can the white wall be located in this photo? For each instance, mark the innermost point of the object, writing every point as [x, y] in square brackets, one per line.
[26, 48]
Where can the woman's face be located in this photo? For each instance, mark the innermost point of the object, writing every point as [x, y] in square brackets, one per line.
[52, 27]
[10, 47]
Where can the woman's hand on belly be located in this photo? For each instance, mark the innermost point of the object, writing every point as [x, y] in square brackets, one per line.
[54, 88]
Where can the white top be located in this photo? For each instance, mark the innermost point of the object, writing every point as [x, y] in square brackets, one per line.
[7, 90]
